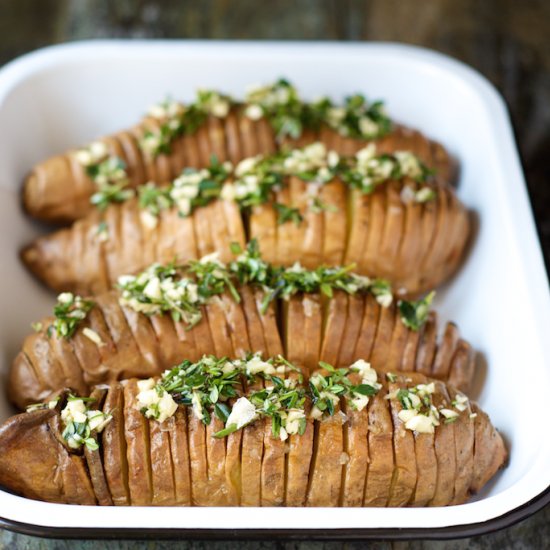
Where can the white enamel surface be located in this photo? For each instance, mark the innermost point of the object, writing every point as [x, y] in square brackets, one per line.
[63, 96]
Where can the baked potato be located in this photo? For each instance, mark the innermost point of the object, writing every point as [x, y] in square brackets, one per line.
[382, 213]
[411, 442]
[59, 189]
[113, 341]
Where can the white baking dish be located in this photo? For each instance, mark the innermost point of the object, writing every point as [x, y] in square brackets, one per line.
[66, 95]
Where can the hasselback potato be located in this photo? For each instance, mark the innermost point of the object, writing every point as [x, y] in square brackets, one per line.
[174, 136]
[353, 437]
[384, 213]
[113, 340]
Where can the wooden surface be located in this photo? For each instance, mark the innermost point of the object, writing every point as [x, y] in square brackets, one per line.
[507, 40]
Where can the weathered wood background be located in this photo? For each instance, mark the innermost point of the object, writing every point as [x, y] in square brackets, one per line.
[507, 40]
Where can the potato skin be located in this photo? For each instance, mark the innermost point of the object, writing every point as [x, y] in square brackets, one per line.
[308, 328]
[58, 190]
[363, 458]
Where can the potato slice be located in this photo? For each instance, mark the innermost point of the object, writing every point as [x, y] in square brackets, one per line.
[381, 346]
[359, 223]
[325, 477]
[489, 451]
[464, 445]
[179, 448]
[300, 451]
[132, 157]
[369, 325]
[145, 339]
[335, 321]
[219, 327]
[312, 331]
[392, 234]
[136, 431]
[253, 321]
[404, 477]
[356, 308]
[220, 492]
[445, 452]
[293, 323]
[409, 352]
[163, 480]
[427, 344]
[397, 344]
[198, 462]
[94, 460]
[236, 321]
[445, 352]
[272, 335]
[380, 444]
[114, 447]
[216, 134]
[203, 231]
[462, 367]
[356, 432]
[232, 136]
[335, 222]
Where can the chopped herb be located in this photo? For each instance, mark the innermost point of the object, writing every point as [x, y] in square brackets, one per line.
[210, 381]
[326, 390]
[288, 214]
[69, 312]
[81, 423]
[108, 172]
[183, 290]
[154, 198]
[110, 193]
[177, 119]
[284, 403]
[43, 406]
[161, 289]
[289, 115]
[414, 314]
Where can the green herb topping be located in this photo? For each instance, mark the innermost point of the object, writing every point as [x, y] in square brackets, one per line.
[161, 289]
[108, 172]
[205, 385]
[254, 181]
[81, 423]
[327, 389]
[69, 312]
[418, 412]
[279, 103]
[289, 115]
[176, 119]
[216, 386]
[183, 290]
[51, 404]
[283, 401]
[414, 314]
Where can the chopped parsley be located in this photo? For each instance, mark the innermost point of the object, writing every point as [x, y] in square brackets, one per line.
[108, 172]
[183, 290]
[414, 314]
[82, 423]
[69, 311]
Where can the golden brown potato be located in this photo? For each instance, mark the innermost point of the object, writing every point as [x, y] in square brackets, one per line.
[378, 232]
[59, 190]
[366, 457]
[133, 344]
[77, 259]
